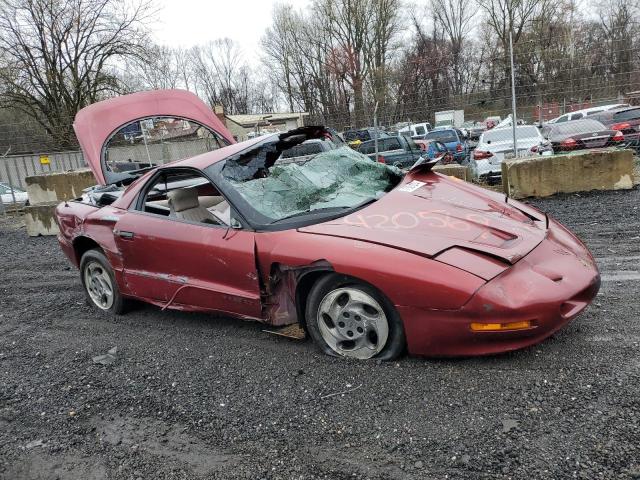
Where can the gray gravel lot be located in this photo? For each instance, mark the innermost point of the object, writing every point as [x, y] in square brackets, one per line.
[190, 396]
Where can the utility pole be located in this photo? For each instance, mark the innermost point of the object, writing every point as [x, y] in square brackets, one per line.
[513, 97]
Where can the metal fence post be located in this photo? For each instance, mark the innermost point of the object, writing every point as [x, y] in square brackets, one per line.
[513, 99]
[375, 130]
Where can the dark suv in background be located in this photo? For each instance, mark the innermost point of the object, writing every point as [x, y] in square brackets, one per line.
[625, 120]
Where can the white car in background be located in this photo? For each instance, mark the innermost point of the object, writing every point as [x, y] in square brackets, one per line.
[496, 145]
[7, 198]
[585, 112]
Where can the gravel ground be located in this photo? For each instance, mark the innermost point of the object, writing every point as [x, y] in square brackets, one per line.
[190, 396]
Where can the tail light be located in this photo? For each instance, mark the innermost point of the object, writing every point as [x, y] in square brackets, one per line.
[480, 155]
[620, 126]
[618, 137]
[569, 143]
[534, 149]
[381, 159]
[459, 147]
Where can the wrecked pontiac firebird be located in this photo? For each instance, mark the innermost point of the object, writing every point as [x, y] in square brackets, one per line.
[369, 260]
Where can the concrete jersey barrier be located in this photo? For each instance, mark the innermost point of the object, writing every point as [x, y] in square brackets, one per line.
[46, 192]
[541, 176]
[58, 186]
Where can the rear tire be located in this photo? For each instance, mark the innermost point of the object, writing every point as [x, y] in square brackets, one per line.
[346, 317]
[100, 284]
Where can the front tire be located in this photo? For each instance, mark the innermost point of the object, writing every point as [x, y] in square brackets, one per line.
[100, 284]
[346, 317]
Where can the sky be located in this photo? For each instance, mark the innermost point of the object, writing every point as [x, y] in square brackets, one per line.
[190, 22]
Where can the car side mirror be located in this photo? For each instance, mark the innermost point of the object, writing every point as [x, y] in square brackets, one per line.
[235, 224]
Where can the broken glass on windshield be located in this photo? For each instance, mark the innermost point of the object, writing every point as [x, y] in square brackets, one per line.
[334, 180]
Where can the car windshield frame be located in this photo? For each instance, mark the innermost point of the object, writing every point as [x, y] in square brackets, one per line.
[256, 220]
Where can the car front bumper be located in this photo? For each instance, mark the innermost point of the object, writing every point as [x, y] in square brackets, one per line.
[548, 288]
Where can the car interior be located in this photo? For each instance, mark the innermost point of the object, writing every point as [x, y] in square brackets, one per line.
[189, 197]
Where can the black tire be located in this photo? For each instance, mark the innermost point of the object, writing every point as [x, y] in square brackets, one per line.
[90, 258]
[395, 344]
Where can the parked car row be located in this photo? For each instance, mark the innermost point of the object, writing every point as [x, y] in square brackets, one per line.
[484, 145]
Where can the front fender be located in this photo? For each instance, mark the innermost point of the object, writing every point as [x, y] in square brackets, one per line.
[405, 278]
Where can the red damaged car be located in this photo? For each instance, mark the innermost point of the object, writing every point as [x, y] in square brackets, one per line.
[369, 260]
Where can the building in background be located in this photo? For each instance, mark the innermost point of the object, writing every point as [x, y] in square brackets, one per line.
[243, 127]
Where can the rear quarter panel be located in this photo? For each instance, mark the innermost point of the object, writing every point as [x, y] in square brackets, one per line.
[80, 220]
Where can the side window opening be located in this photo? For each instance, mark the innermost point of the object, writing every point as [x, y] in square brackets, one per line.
[186, 196]
[369, 148]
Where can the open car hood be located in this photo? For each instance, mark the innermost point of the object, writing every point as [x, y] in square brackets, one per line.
[433, 214]
[94, 125]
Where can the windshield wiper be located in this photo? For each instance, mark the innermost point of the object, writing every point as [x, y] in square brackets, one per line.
[309, 212]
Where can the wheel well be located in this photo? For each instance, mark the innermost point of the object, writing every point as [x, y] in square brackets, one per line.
[81, 245]
[303, 288]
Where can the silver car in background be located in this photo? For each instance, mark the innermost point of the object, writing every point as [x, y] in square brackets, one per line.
[496, 145]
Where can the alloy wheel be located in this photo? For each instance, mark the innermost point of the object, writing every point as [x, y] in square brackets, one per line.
[353, 323]
[98, 284]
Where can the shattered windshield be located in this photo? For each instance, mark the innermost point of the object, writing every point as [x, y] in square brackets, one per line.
[330, 182]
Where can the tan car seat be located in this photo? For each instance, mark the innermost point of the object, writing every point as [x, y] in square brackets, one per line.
[184, 204]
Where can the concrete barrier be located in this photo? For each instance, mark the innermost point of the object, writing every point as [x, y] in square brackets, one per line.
[40, 220]
[58, 186]
[541, 176]
[46, 192]
[453, 170]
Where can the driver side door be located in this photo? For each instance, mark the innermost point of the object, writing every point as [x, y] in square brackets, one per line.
[187, 264]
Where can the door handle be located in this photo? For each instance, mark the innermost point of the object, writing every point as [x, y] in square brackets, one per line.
[126, 235]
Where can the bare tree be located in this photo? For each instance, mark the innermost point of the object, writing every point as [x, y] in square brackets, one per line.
[454, 18]
[510, 17]
[349, 24]
[619, 24]
[161, 67]
[278, 44]
[61, 55]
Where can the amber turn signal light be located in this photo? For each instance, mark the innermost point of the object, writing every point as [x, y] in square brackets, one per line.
[497, 327]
